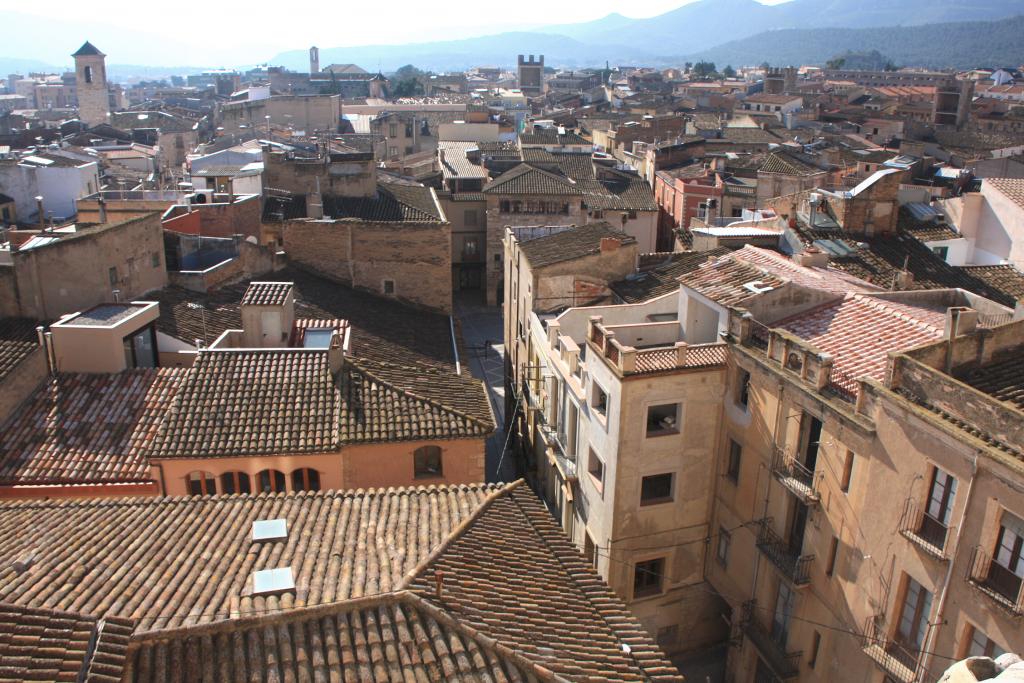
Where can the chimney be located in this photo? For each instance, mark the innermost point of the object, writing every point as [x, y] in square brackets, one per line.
[103, 209]
[960, 320]
[42, 213]
[812, 257]
[610, 244]
[335, 353]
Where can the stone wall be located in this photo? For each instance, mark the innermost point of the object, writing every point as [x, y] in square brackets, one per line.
[414, 257]
[76, 272]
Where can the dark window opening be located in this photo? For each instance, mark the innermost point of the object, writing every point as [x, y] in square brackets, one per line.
[656, 489]
[647, 577]
[427, 462]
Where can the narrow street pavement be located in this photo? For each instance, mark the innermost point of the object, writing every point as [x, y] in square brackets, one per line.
[482, 334]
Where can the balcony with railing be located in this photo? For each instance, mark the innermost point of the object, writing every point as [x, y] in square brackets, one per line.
[785, 665]
[999, 583]
[898, 661]
[788, 560]
[650, 347]
[796, 477]
[923, 530]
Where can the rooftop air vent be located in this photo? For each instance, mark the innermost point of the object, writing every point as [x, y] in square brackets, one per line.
[269, 529]
[270, 581]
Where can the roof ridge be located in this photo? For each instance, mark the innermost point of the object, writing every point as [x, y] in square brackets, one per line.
[129, 501]
[418, 397]
[887, 306]
[455, 534]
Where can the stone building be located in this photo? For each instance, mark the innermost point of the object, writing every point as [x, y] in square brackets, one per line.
[91, 85]
[45, 274]
[530, 75]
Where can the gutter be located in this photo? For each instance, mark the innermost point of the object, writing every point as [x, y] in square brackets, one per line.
[455, 347]
[940, 612]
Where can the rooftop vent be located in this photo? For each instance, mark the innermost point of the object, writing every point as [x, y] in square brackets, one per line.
[269, 529]
[270, 581]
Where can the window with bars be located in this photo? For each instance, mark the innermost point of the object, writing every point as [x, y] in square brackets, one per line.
[201, 483]
[305, 479]
[271, 481]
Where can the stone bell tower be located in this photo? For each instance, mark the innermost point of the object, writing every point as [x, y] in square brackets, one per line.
[91, 84]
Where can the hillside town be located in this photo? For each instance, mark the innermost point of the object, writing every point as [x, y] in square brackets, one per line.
[518, 373]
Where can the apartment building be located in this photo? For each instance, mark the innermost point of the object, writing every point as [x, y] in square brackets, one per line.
[861, 446]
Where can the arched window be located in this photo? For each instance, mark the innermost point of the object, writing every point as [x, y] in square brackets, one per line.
[271, 481]
[305, 479]
[201, 483]
[235, 482]
[427, 462]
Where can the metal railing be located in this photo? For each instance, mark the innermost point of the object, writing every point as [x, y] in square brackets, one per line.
[793, 565]
[783, 664]
[921, 528]
[999, 583]
[795, 476]
[897, 660]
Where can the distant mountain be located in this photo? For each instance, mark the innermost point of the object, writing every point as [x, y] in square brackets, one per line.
[703, 24]
[738, 31]
[957, 45]
[500, 49]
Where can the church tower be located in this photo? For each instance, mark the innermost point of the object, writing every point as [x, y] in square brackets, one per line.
[91, 84]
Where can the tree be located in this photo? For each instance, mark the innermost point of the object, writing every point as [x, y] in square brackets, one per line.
[835, 63]
[728, 71]
[704, 69]
[407, 81]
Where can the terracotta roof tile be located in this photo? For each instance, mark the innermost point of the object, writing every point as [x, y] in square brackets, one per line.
[266, 293]
[264, 402]
[659, 274]
[87, 428]
[517, 600]
[570, 244]
[526, 179]
[1006, 278]
[394, 202]
[49, 645]
[725, 280]
[17, 340]
[1002, 379]
[860, 330]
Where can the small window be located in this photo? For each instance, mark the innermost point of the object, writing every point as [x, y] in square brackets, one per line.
[155, 259]
[724, 541]
[941, 252]
[663, 419]
[596, 469]
[647, 577]
[656, 489]
[201, 484]
[743, 388]
[112, 276]
[735, 457]
[305, 479]
[589, 549]
[271, 481]
[88, 74]
[833, 552]
[389, 287]
[815, 646]
[427, 462]
[599, 400]
[235, 482]
[844, 482]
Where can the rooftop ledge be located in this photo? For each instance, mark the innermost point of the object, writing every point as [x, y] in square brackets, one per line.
[650, 347]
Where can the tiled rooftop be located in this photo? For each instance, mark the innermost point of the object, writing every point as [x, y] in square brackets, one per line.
[264, 402]
[510, 583]
[50, 645]
[1002, 379]
[1005, 278]
[659, 274]
[526, 179]
[724, 280]
[266, 293]
[17, 340]
[394, 202]
[859, 331]
[85, 428]
[570, 244]
[1012, 188]
[787, 164]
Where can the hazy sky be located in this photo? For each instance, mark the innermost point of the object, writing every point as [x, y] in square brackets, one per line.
[235, 33]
